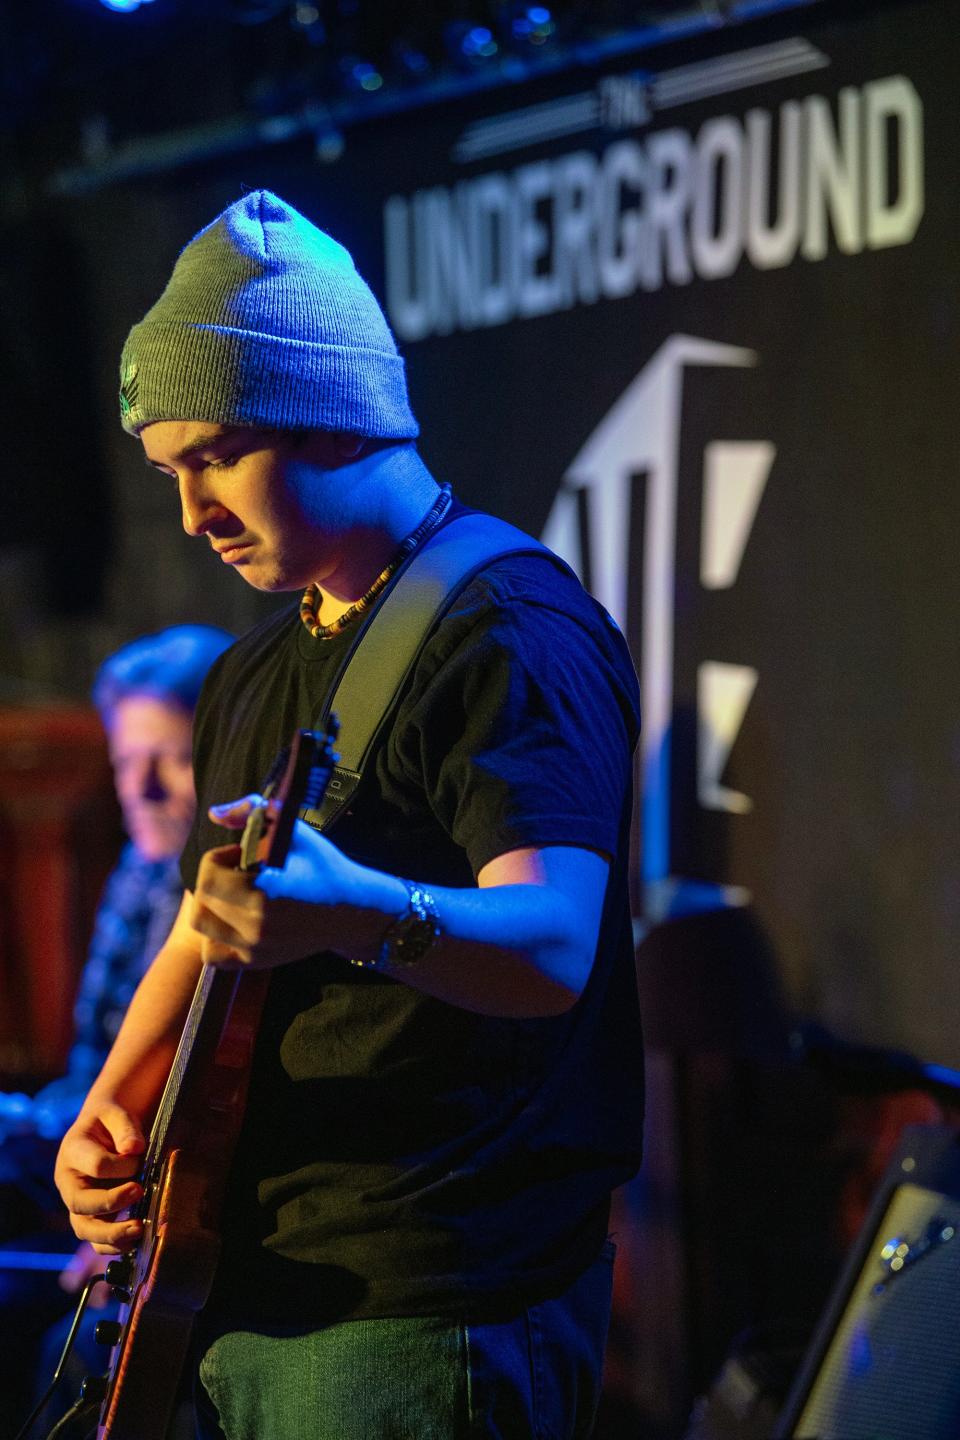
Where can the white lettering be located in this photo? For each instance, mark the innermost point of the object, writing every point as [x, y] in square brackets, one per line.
[619, 231]
[450, 263]
[833, 172]
[669, 183]
[493, 246]
[575, 261]
[537, 288]
[662, 210]
[893, 105]
[773, 242]
[715, 232]
[407, 300]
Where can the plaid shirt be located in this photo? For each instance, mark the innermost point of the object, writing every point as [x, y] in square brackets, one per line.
[138, 908]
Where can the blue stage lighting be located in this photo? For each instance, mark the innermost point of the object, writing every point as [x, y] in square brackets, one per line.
[368, 77]
[479, 43]
[124, 7]
[533, 24]
[357, 74]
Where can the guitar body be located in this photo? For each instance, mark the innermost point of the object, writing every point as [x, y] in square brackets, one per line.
[166, 1281]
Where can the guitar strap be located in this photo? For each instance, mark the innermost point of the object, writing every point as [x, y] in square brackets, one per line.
[386, 650]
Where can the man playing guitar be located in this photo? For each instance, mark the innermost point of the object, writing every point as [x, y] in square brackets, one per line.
[447, 1078]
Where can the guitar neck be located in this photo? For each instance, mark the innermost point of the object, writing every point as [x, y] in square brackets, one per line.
[178, 1070]
[297, 779]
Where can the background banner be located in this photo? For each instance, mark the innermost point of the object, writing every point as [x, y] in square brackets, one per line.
[695, 322]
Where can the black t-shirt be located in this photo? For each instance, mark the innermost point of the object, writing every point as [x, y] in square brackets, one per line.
[401, 1155]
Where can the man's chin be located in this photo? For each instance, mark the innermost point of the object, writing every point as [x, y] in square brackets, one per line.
[268, 583]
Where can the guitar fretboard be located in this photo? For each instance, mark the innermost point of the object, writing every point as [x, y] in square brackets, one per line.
[171, 1092]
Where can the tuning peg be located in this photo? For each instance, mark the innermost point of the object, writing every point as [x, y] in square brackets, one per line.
[119, 1273]
[107, 1332]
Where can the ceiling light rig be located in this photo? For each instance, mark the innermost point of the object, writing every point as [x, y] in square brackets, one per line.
[532, 25]
[469, 45]
[308, 22]
[352, 61]
[359, 76]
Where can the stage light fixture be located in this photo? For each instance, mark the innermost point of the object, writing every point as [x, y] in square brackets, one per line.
[469, 45]
[478, 43]
[358, 74]
[124, 7]
[307, 21]
[532, 24]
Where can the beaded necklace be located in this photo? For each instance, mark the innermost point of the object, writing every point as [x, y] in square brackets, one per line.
[310, 604]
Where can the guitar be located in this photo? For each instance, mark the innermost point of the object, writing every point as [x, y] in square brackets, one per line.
[165, 1282]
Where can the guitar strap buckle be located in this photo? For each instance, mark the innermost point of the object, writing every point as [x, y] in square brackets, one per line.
[339, 792]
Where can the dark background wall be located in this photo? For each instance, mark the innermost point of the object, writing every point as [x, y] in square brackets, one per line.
[739, 422]
[839, 623]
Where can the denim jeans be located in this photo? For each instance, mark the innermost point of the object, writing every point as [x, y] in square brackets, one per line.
[536, 1375]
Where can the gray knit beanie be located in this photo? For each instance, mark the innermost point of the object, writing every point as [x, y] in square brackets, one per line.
[265, 321]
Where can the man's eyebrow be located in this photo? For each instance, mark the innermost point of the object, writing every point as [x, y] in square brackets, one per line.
[203, 442]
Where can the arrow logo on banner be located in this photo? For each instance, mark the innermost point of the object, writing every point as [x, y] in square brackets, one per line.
[735, 474]
[640, 436]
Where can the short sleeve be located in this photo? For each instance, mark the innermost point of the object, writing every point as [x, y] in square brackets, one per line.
[522, 721]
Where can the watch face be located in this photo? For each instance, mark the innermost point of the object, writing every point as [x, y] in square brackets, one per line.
[412, 937]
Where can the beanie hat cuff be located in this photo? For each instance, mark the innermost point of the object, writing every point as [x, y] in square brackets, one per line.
[229, 376]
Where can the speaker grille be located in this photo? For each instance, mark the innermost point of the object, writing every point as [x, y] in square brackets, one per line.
[892, 1369]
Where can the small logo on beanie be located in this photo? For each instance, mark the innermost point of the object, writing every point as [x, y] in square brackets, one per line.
[128, 396]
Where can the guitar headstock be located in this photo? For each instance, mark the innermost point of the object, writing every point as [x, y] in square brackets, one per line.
[297, 780]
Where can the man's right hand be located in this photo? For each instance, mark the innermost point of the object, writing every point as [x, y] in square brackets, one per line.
[97, 1159]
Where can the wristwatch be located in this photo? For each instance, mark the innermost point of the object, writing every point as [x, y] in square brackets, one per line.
[408, 938]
